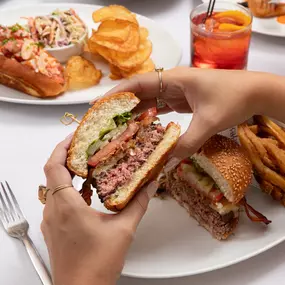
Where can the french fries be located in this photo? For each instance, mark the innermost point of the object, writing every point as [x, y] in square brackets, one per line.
[277, 154]
[259, 147]
[254, 129]
[265, 144]
[275, 130]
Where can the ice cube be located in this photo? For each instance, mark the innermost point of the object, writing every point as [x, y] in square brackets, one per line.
[210, 24]
[202, 26]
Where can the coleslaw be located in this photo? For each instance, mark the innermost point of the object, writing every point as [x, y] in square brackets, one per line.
[59, 29]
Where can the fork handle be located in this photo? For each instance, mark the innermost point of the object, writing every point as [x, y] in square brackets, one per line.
[37, 261]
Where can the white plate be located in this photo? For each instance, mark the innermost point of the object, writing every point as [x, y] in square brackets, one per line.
[170, 244]
[166, 53]
[268, 27]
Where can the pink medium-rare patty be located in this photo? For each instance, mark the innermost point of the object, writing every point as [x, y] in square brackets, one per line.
[198, 207]
[142, 145]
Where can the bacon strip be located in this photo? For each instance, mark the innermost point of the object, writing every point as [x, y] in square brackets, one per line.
[258, 216]
[112, 146]
[86, 191]
[151, 112]
[148, 121]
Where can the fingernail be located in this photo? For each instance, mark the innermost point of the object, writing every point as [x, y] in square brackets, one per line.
[151, 189]
[70, 135]
[171, 164]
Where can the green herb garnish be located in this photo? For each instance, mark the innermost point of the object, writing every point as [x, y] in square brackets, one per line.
[7, 40]
[15, 28]
[39, 44]
[122, 118]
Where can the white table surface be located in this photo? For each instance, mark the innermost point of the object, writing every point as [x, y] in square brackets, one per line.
[29, 133]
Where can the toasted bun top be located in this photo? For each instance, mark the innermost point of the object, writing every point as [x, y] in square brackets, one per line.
[227, 163]
[94, 121]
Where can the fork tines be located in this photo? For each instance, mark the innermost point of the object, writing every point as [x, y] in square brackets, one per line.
[8, 204]
[210, 9]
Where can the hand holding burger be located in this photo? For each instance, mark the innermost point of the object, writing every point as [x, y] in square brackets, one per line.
[218, 99]
[85, 246]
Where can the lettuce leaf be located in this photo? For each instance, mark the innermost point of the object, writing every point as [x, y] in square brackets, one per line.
[122, 118]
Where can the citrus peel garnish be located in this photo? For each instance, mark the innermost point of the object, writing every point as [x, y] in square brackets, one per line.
[238, 16]
[230, 27]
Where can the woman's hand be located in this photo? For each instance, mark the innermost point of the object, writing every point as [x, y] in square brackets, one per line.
[219, 99]
[84, 245]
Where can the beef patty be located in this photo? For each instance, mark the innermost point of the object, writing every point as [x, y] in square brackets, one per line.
[134, 155]
[198, 207]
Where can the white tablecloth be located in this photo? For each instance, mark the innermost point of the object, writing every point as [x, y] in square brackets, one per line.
[29, 133]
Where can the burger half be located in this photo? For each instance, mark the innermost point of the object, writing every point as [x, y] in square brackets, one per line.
[211, 186]
[118, 151]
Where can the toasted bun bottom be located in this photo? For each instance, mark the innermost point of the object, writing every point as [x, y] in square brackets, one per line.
[199, 208]
[147, 172]
[23, 78]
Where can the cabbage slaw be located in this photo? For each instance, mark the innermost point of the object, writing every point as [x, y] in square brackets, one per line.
[59, 29]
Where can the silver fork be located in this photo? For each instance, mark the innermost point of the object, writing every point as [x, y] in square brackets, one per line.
[17, 226]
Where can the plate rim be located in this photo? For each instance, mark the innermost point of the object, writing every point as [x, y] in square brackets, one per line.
[209, 268]
[278, 35]
[50, 102]
[206, 269]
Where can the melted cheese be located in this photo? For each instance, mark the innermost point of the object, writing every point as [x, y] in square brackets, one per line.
[204, 183]
[224, 207]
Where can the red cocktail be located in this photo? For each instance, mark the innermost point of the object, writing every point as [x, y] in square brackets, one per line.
[221, 41]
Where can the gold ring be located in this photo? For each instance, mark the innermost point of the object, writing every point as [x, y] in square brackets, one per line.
[159, 72]
[159, 101]
[61, 187]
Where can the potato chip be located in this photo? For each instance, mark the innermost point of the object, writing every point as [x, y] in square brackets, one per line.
[147, 66]
[115, 70]
[104, 52]
[113, 12]
[116, 73]
[113, 30]
[91, 46]
[130, 61]
[130, 45]
[114, 76]
[143, 33]
[81, 73]
[121, 42]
